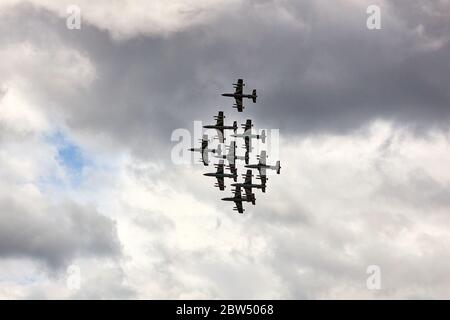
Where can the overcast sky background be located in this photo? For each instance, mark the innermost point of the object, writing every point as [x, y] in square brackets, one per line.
[86, 176]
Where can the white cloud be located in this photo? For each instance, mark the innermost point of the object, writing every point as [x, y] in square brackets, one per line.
[345, 204]
[28, 64]
[124, 19]
[20, 115]
[42, 230]
[338, 207]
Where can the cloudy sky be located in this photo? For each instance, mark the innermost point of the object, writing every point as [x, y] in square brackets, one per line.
[88, 183]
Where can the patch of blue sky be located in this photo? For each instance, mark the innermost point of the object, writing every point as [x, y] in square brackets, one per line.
[70, 157]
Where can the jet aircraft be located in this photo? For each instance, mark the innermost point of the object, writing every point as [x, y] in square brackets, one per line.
[220, 175]
[204, 150]
[231, 155]
[238, 95]
[262, 166]
[238, 198]
[248, 185]
[220, 127]
[247, 135]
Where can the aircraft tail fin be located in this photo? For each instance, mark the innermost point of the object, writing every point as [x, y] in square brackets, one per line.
[254, 96]
[253, 199]
[235, 126]
[278, 167]
[263, 188]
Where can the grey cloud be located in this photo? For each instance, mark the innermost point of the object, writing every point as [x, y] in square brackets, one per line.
[318, 69]
[418, 191]
[55, 235]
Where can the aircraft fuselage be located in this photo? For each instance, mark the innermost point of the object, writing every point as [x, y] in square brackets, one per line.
[220, 175]
[242, 199]
[243, 135]
[248, 185]
[219, 127]
[201, 150]
[258, 166]
[237, 95]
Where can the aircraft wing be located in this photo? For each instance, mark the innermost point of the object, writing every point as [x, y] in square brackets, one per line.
[219, 123]
[220, 167]
[204, 151]
[262, 171]
[205, 157]
[248, 192]
[232, 152]
[248, 180]
[263, 158]
[220, 180]
[262, 161]
[248, 145]
[238, 199]
[221, 183]
[233, 169]
[239, 207]
[219, 119]
[239, 86]
[263, 179]
[247, 157]
[204, 142]
[237, 192]
[248, 177]
[248, 126]
[239, 105]
[221, 135]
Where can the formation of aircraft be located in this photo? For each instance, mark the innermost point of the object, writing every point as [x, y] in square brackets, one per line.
[231, 157]
[238, 95]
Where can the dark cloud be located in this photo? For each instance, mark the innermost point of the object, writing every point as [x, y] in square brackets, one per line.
[317, 68]
[55, 235]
